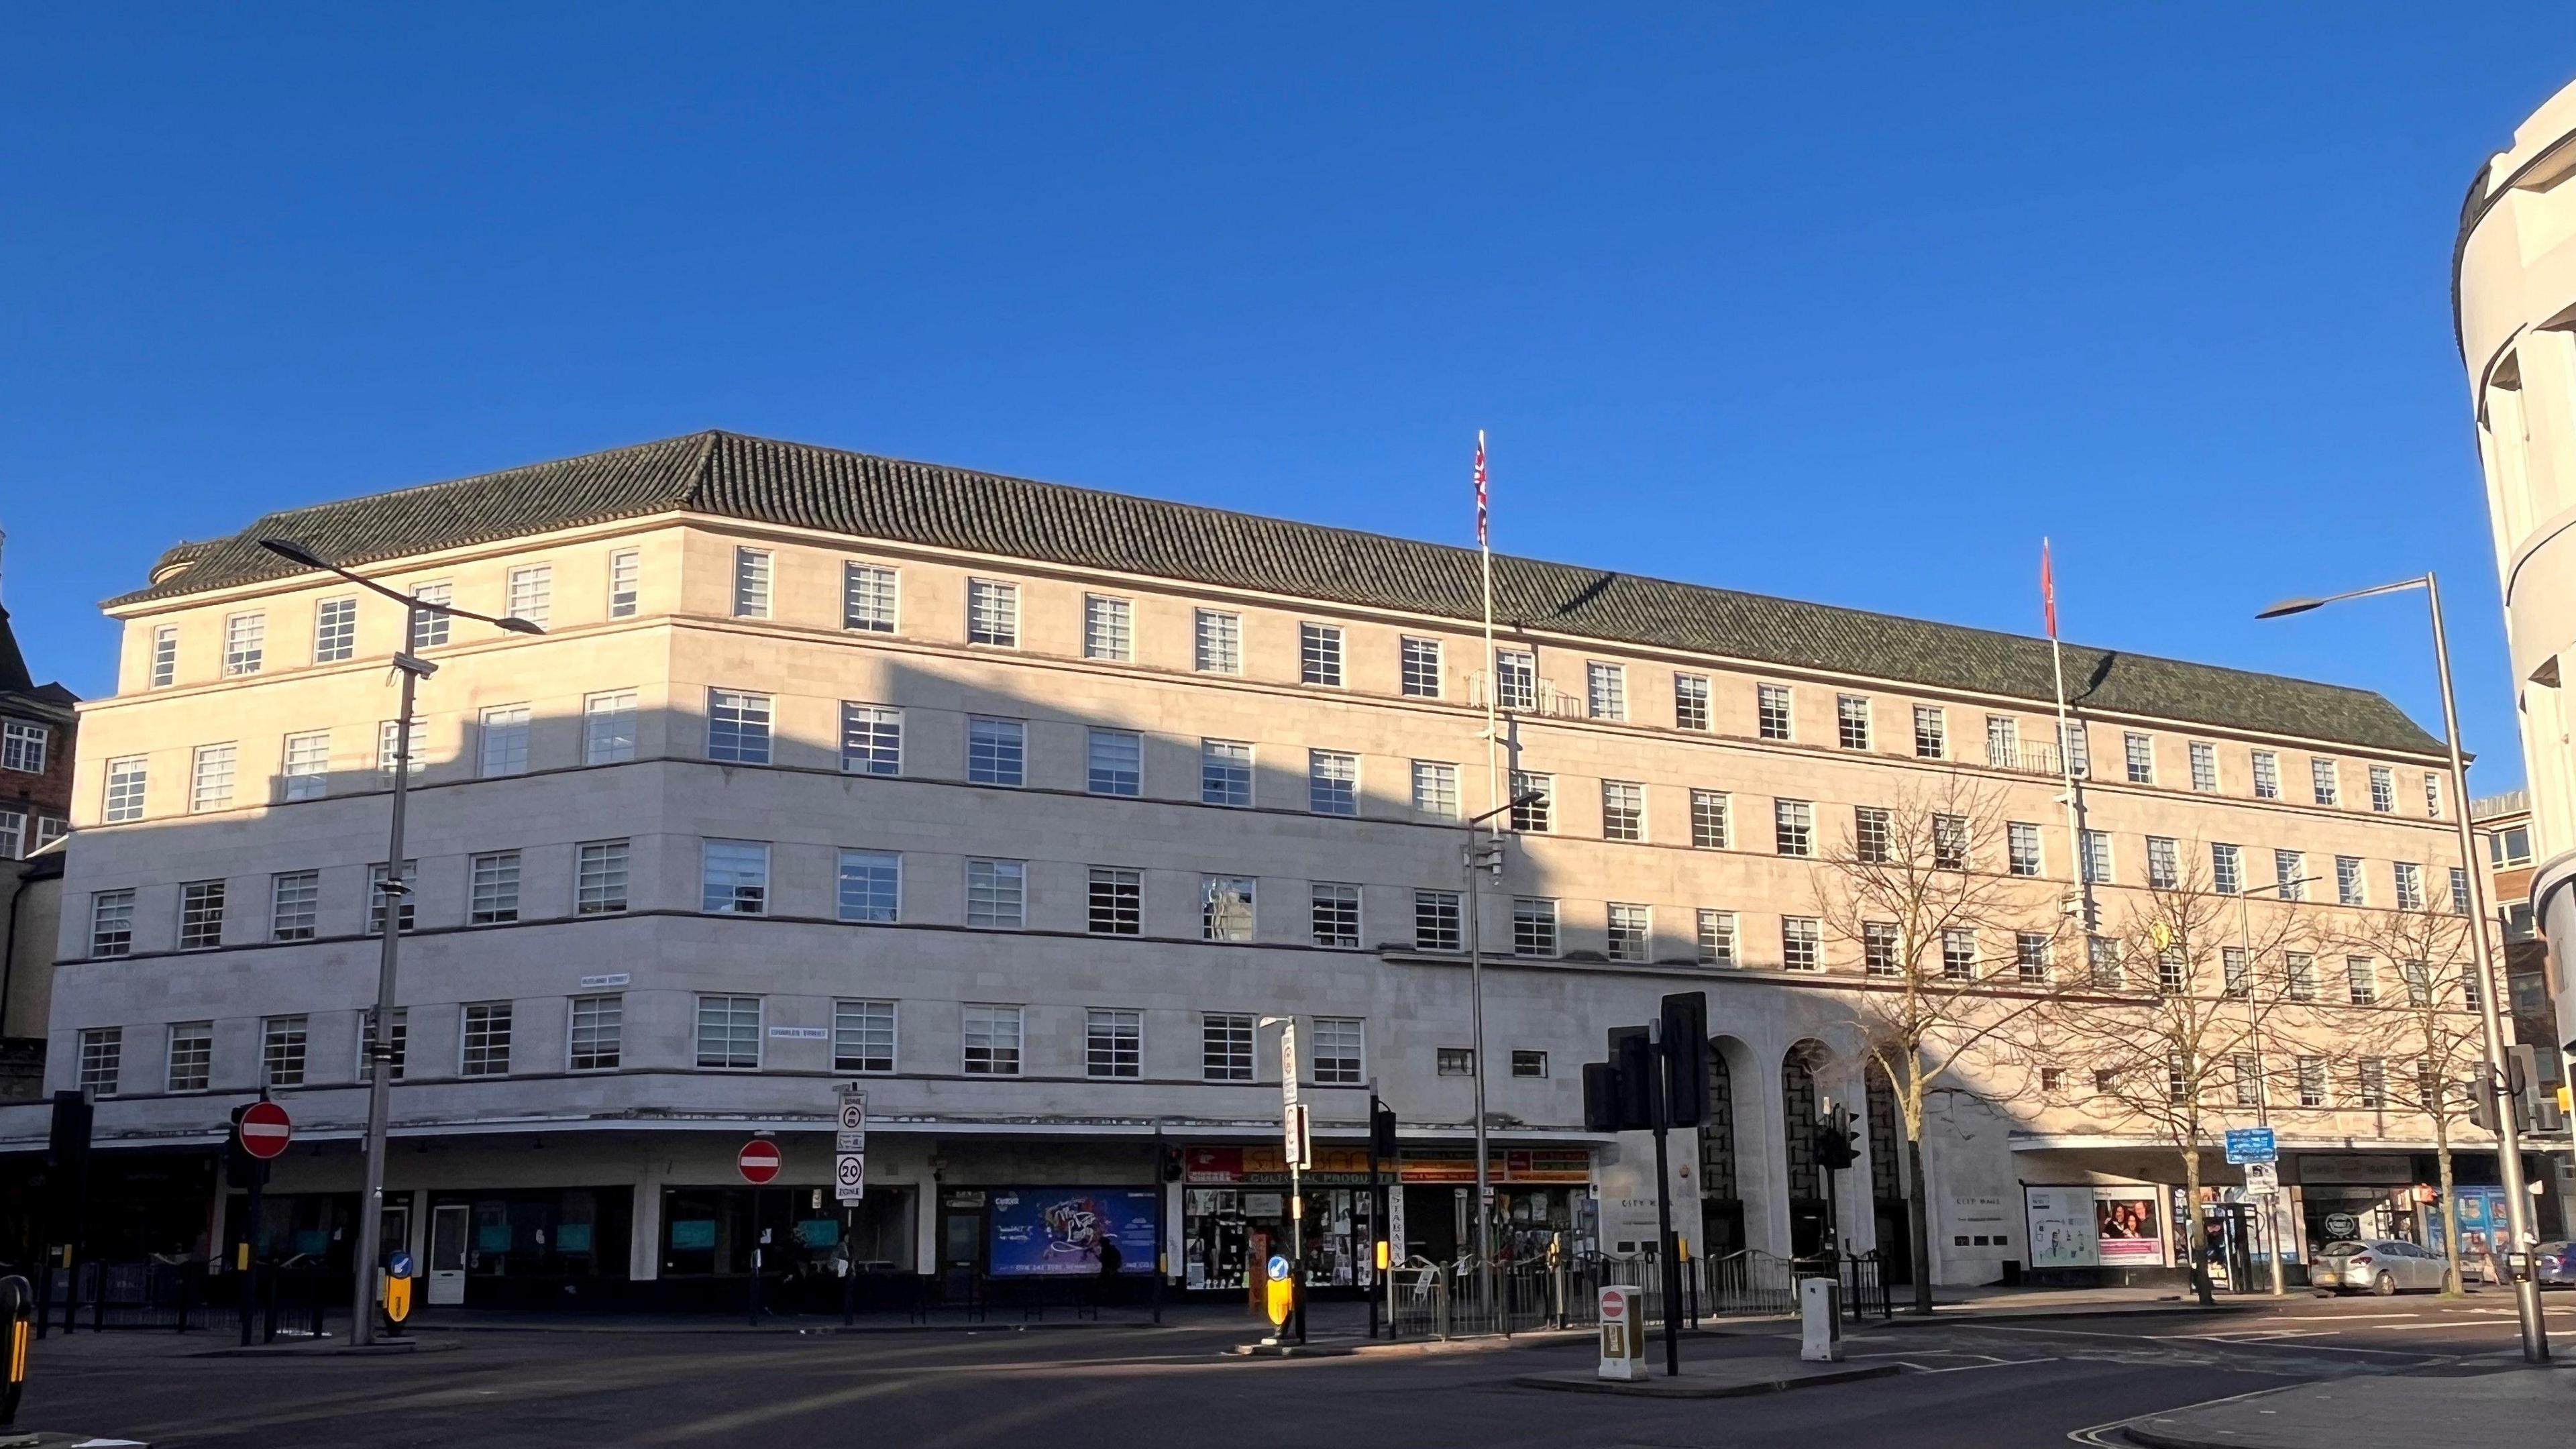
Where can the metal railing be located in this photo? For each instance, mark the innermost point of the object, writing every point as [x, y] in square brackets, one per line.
[1449, 1300]
[100, 1296]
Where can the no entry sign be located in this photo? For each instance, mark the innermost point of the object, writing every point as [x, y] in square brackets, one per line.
[265, 1129]
[757, 1161]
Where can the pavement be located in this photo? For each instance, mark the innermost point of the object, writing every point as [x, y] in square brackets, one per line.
[2511, 1406]
[1725, 1378]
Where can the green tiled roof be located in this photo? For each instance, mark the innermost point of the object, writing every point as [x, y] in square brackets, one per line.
[863, 496]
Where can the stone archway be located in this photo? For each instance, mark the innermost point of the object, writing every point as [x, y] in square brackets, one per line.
[1801, 1095]
[1885, 1141]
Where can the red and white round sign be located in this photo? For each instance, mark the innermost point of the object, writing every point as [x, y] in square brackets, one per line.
[265, 1129]
[1614, 1306]
[757, 1161]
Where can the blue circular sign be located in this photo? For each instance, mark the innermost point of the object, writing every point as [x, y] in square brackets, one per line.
[1278, 1268]
[401, 1265]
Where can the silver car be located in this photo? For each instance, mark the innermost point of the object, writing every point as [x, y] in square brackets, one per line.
[2553, 1265]
[2382, 1265]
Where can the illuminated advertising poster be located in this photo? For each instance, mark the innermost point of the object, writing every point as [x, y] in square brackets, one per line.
[2062, 1227]
[2127, 1228]
[1044, 1231]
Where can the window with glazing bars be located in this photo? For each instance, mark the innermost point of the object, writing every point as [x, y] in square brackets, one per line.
[2226, 869]
[625, 583]
[1851, 721]
[1225, 908]
[1690, 701]
[245, 643]
[597, 1034]
[127, 785]
[2348, 886]
[1950, 842]
[2097, 857]
[486, 1040]
[2236, 972]
[1771, 712]
[608, 727]
[1116, 762]
[192, 1056]
[871, 739]
[1332, 782]
[1114, 1043]
[868, 596]
[2204, 765]
[211, 785]
[2329, 790]
[599, 878]
[1225, 1046]
[1931, 733]
[1338, 1051]
[738, 726]
[294, 904]
[871, 886]
[1108, 628]
[111, 923]
[2139, 753]
[1515, 679]
[1336, 914]
[992, 613]
[996, 894]
[503, 741]
[201, 915]
[404, 913]
[2102, 956]
[1218, 644]
[281, 1051]
[2031, 958]
[1533, 926]
[306, 767]
[165, 657]
[2290, 874]
[2299, 976]
[751, 583]
[1793, 827]
[2173, 971]
[1420, 661]
[23, 746]
[102, 1060]
[1801, 939]
[393, 742]
[2021, 848]
[992, 1041]
[1225, 773]
[996, 751]
[397, 1045]
[2410, 886]
[1319, 654]
[1959, 954]
[1623, 810]
[1117, 902]
[2312, 1081]
[1872, 835]
[1435, 789]
[735, 880]
[2267, 775]
[863, 1036]
[2361, 980]
[532, 594]
[2003, 742]
[335, 630]
[1710, 819]
[429, 627]
[2383, 789]
[1533, 801]
[728, 1033]
[1605, 690]
[1878, 948]
[1436, 921]
[1717, 940]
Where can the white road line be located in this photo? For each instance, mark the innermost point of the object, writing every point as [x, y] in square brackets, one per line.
[2093, 1434]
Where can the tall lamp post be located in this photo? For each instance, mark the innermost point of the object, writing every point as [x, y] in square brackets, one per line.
[2262, 1072]
[413, 669]
[2526, 1293]
[1479, 859]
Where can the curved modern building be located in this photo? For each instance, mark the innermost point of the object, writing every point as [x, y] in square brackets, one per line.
[2514, 288]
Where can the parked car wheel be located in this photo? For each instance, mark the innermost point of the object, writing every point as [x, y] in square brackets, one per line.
[2385, 1285]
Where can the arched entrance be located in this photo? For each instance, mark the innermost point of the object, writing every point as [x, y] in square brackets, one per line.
[1808, 1233]
[1887, 1179]
[1721, 1203]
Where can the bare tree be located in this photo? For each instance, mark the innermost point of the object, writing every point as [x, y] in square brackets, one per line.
[2176, 1020]
[1918, 885]
[2417, 1045]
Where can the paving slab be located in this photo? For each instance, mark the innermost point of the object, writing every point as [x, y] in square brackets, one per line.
[2511, 1406]
[1720, 1379]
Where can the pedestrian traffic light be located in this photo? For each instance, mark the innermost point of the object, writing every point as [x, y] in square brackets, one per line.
[1632, 1052]
[1685, 1047]
[1837, 1143]
[1171, 1164]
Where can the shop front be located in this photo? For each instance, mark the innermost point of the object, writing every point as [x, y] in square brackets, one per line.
[1034, 1234]
[2347, 1195]
[798, 1237]
[1236, 1209]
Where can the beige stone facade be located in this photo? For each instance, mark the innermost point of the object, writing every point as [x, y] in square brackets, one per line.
[733, 638]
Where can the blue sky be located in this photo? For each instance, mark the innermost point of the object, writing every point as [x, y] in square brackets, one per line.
[1845, 303]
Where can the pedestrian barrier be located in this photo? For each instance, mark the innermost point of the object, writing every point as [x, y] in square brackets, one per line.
[1451, 1300]
[153, 1293]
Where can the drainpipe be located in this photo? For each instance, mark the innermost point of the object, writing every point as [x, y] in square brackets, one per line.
[9, 948]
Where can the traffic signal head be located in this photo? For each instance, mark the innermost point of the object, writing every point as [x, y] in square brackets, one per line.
[1382, 1130]
[1632, 1052]
[1171, 1164]
[1837, 1143]
[1685, 1045]
[1600, 1097]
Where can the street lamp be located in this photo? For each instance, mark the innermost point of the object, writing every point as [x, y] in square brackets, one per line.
[1477, 861]
[413, 669]
[2526, 1293]
[2262, 1072]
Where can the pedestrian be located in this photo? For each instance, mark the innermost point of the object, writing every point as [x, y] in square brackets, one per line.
[1110, 1261]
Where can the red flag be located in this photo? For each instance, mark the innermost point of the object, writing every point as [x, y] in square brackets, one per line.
[2047, 589]
[1480, 488]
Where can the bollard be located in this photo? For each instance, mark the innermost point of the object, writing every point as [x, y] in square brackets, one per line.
[17, 1322]
[1820, 1313]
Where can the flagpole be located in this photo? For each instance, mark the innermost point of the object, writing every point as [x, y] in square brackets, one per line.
[2065, 737]
[1475, 904]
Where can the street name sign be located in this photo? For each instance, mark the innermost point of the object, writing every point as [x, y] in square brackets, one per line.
[2251, 1144]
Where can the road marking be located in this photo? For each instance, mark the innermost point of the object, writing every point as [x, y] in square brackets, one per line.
[774, 1410]
[2093, 1434]
[2182, 1337]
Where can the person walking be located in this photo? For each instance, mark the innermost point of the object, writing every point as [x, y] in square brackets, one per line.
[1111, 1260]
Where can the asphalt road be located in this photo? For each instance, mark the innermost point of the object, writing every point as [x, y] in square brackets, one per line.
[1987, 1384]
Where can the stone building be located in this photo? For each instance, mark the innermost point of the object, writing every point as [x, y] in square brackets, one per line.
[1029, 805]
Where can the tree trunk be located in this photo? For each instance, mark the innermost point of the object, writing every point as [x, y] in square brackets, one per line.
[2452, 1284]
[2199, 1259]
[1918, 1221]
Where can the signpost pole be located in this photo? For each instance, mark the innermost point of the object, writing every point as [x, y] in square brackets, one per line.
[1377, 1206]
[1657, 1091]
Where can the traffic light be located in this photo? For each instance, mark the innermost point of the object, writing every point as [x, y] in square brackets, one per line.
[1685, 1044]
[1632, 1052]
[1171, 1164]
[2535, 1079]
[240, 1168]
[1837, 1143]
[1382, 1131]
[1600, 1097]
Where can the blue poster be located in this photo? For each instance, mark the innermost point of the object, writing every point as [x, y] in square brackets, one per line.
[1039, 1231]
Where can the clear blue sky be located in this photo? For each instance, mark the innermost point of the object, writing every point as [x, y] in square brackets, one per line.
[1848, 303]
